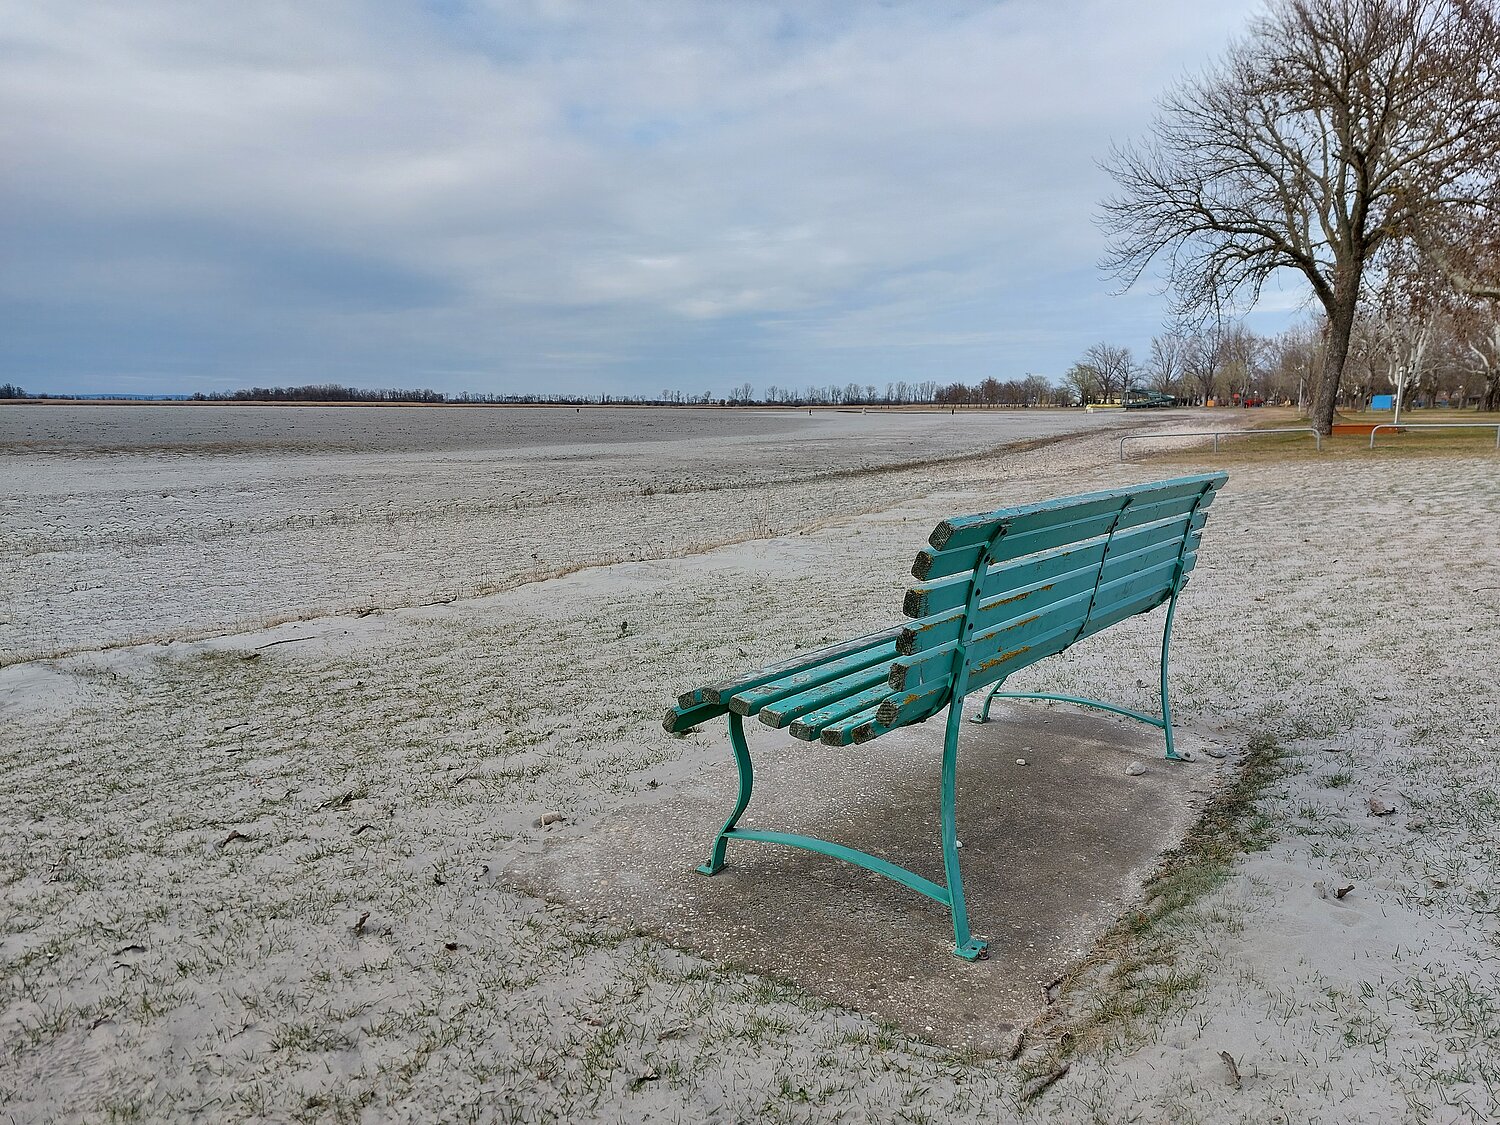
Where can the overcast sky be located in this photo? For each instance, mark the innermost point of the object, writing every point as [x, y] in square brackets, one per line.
[580, 197]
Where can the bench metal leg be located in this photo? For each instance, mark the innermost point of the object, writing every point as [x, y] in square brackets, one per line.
[951, 896]
[1163, 721]
[964, 944]
[1166, 705]
[715, 862]
[984, 711]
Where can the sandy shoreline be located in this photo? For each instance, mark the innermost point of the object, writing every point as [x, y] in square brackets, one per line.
[189, 833]
[122, 547]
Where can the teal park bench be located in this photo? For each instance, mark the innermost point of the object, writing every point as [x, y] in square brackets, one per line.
[994, 593]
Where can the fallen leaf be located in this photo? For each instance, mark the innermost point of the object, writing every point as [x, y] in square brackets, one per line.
[359, 927]
[1342, 891]
[232, 837]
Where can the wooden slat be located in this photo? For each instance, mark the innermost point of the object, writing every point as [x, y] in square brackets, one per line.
[679, 719]
[751, 700]
[932, 664]
[1135, 592]
[1044, 588]
[841, 732]
[931, 598]
[908, 673]
[926, 599]
[1057, 641]
[941, 631]
[779, 713]
[810, 726]
[922, 701]
[720, 692]
[932, 565]
[966, 531]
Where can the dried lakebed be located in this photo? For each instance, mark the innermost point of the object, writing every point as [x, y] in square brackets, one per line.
[126, 524]
[257, 876]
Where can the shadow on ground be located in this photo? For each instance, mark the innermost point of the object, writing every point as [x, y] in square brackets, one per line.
[1053, 852]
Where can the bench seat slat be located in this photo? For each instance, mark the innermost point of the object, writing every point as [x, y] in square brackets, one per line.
[810, 727]
[751, 700]
[782, 711]
[680, 718]
[842, 732]
[720, 692]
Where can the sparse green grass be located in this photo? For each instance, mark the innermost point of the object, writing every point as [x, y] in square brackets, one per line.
[1133, 977]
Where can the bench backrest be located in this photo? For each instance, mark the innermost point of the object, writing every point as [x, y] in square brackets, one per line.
[1004, 589]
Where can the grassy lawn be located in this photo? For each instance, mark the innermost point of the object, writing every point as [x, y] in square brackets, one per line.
[1301, 447]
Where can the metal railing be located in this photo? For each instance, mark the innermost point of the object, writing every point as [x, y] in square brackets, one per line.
[1436, 426]
[1216, 434]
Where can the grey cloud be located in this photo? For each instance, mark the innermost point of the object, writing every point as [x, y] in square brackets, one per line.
[596, 194]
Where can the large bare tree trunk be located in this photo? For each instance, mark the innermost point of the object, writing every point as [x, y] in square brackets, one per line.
[1340, 329]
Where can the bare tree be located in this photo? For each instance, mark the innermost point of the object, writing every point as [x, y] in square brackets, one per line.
[1202, 361]
[1461, 242]
[1477, 328]
[1165, 366]
[1082, 381]
[1113, 369]
[1334, 127]
[1293, 358]
[1240, 353]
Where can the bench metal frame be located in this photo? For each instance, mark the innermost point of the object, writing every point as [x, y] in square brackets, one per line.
[1436, 426]
[1217, 434]
[951, 896]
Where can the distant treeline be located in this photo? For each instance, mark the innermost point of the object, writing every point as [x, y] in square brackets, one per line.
[322, 392]
[1031, 391]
